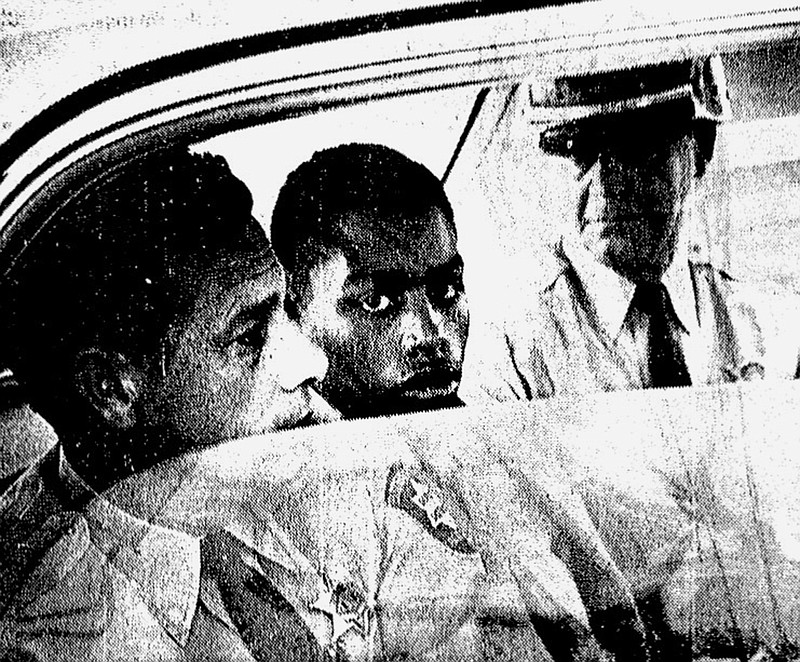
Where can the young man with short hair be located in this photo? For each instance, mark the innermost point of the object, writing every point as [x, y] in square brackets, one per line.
[148, 320]
[369, 244]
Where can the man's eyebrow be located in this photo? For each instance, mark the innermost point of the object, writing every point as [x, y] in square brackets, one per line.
[453, 264]
[256, 311]
[397, 275]
[378, 275]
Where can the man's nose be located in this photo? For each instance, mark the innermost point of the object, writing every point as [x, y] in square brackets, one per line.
[298, 359]
[422, 323]
[611, 165]
[618, 175]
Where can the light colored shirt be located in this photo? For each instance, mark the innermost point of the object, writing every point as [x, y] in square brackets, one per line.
[581, 335]
[609, 296]
[434, 563]
[106, 585]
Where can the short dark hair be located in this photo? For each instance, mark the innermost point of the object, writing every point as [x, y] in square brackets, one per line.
[375, 180]
[108, 269]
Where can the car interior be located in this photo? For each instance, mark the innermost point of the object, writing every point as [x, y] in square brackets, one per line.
[457, 96]
[511, 200]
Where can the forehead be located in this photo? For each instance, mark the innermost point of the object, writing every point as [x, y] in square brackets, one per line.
[409, 244]
[235, 279]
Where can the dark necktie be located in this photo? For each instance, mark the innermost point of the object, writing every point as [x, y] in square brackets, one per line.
[665, 358]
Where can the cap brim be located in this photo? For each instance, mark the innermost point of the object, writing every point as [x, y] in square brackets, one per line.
[582, 138]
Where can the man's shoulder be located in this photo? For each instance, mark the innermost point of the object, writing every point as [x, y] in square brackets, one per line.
[34, 525]
[63, 592]
[555, 303]
[504, 353]
[733, 290]
[560, 295]
[762, 315]
[54, 584]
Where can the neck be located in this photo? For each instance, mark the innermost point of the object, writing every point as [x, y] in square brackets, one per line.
[642, 269]
[102, 457]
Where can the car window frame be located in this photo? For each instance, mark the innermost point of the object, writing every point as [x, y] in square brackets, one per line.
[311, 69]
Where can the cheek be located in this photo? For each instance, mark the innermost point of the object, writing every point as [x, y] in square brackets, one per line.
[321, 321]
[634, 185]
[457, 326]
[362, 351]
[195, 399]
[209, 399]
[673, 181]
[377, 346]
[359, 350]
[377, 350]
[233, 401]
[681, 174]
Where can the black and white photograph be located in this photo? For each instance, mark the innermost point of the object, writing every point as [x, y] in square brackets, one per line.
[399, 330]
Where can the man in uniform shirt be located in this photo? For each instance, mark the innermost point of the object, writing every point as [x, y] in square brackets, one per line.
[148, 320]
[368, 241]
[160, 329]
[628, 308]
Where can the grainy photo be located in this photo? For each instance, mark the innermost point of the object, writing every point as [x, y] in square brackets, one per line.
[399, 330]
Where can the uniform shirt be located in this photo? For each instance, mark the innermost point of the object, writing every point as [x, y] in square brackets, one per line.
[582, 335]
[375, 557]
[83, 579]
[606, 310]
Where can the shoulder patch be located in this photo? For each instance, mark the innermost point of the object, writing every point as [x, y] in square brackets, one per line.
[408, 491]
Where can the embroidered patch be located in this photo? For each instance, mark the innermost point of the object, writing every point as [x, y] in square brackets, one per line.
[346, 609]
[409, 492]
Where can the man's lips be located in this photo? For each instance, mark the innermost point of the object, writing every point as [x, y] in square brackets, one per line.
[430, 384]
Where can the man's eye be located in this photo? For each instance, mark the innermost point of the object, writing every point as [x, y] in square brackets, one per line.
[251, 338]
[449, 292]
[446, 293]
[376, 303]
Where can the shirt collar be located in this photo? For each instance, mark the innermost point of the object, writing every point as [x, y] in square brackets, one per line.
[679, 284]
[610, 294]
[148, 494]
[164, 563]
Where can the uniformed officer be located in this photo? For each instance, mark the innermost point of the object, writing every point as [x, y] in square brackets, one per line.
[629, 306]
[147, 320]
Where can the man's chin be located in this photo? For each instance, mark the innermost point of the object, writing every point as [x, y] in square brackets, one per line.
[431, 403]
[409, 402]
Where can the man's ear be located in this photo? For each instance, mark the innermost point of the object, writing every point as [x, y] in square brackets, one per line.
[111, 385]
